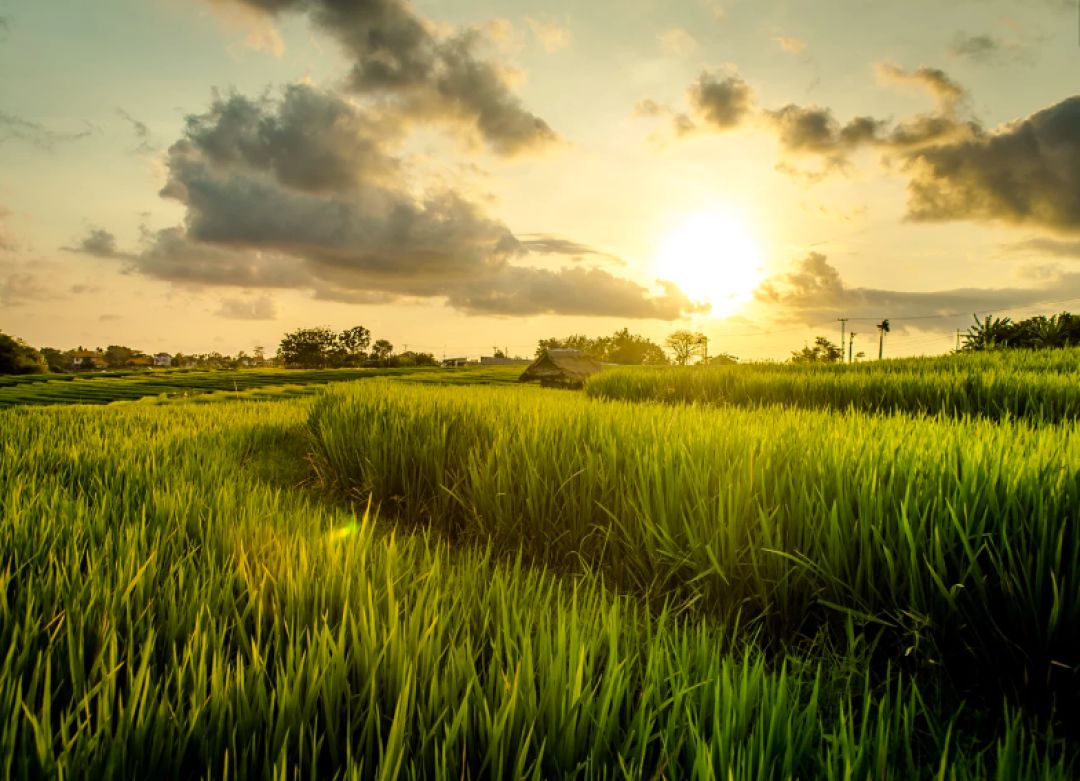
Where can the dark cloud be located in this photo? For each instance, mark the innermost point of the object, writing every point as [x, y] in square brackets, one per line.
[570, 291]
[311, 139]
[721, 103]
[297, 193]
[13, 128]
[1024, 173]
[554, 245]
[814, 130]
[981, 48]
[261, 308]
[813, 292]
[399, 56]
[99, 243]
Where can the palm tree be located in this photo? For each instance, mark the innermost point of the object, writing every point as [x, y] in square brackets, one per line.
[883, 328]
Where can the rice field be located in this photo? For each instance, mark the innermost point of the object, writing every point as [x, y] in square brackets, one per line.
[1036, 385]
[408, 577]
[47, 389]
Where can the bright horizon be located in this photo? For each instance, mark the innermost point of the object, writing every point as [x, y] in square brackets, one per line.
[469, 174]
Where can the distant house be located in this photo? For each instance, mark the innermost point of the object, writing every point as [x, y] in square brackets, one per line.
[561, 369]
[455, 361]
[499, 360]
[163, 359]
[87, 360]
[141, 362]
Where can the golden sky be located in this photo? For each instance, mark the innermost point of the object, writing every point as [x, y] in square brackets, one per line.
[209, 174]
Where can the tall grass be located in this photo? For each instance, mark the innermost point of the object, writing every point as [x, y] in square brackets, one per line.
[949, 538]
[1025, 385]
[175, 603]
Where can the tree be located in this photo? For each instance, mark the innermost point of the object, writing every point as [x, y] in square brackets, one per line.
[630, 349]
[621, 347]
[823, 351]
[352, 346]
[117, 356]
[685, 345]
[723, 359]
[883, 328]
[56, 360]
[307, 348]
[382, 350]
[17, 357]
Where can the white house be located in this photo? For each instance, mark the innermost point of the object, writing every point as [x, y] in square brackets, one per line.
[162, 359]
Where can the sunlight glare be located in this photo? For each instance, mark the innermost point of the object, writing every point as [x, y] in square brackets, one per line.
[714, 259]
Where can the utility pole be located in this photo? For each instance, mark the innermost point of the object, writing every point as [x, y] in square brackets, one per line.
[851, 347]
[957, 340]
[843, 325]
[705, 346]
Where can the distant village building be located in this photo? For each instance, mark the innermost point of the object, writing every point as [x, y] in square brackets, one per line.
[455, 361]
[561, 369]
[162, 359]
[141, 362]
[87, 360]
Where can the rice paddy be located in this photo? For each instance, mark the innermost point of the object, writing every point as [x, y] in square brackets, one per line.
[410, 577]
[1040, 386]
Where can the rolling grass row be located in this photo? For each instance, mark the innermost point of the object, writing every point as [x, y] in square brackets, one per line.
[987, 386]
[172, 607]
[952, 546]
[104, 389]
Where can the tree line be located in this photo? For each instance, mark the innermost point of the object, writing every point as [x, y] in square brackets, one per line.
[324, 348]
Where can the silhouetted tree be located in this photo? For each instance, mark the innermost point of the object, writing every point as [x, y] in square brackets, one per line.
[823, 351]
[883, 328]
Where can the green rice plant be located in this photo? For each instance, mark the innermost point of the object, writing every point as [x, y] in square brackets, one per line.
[947, 537]
[994, 386]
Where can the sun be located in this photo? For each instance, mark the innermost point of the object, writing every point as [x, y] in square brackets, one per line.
[714, 259]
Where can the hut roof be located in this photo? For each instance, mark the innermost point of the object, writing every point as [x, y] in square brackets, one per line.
[561, 365]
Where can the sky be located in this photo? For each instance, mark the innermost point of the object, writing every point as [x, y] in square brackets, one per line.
[460, 175]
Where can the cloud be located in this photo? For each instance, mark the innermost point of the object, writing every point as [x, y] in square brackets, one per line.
[677, 42]
[1046, 246]
[311, 139]
[297, 192]
[570, 291]
[553, 245]
[814, 130]
[261, 308]
[428, 75]
[813, 292]
[721, 103]
[142, 132]
[790, 43]
[946, 92]
[13, 128]
[7, 241]
[551, 36]
[99, 243]
[980, 48]
[1025, 173]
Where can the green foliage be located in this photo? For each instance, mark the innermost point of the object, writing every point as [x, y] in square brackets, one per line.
[622, 347]
[823, 351]
[17, 357]
[1040, 332]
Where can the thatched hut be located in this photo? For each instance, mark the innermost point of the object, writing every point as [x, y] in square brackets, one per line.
[561, 369]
